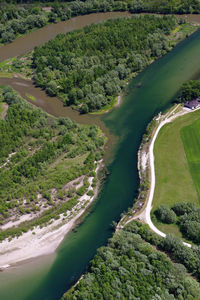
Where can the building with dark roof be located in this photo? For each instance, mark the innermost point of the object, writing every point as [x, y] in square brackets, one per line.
[192, 104]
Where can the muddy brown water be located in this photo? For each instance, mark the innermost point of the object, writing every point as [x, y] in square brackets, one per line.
[27, 42]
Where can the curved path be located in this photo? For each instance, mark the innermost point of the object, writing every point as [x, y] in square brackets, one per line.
[153, 179]
[145, 215]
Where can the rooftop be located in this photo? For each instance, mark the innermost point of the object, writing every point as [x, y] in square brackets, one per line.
[192, 104]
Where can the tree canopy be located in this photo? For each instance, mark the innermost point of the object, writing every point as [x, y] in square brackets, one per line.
[88, 67]
[190, 90]
[129, 268]
[185, 215]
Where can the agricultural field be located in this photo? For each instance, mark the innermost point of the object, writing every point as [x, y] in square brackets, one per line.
[174, 180]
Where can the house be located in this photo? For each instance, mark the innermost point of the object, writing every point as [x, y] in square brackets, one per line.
[192, 104]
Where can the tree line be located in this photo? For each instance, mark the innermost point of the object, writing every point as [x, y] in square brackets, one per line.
[88, 67]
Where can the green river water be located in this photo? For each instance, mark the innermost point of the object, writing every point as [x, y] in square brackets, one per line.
[152, 91]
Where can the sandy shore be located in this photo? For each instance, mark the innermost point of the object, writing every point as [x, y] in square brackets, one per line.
[43, 241]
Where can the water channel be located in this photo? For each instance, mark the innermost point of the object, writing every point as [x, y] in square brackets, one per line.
[153, 90]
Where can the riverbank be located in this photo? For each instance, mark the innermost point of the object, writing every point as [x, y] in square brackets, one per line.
[43, 241]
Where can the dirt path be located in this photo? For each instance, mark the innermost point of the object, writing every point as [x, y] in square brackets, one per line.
[145, 215]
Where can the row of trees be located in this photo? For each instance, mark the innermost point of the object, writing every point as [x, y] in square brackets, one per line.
[129, 268]
[88, 67]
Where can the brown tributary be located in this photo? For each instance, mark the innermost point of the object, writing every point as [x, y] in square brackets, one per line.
[27, 42]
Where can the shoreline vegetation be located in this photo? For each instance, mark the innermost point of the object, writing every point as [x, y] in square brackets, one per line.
[45, 240]
[43, 196]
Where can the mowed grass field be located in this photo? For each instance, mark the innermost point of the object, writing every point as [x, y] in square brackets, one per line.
[174, 180]
[190, 136]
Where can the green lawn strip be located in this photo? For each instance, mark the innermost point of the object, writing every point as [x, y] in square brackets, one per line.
[6, 75]
[173, 178]
[191, 140]
[32, 98]
[4, 64]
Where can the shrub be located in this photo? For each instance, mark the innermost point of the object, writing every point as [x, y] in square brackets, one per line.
[183, 208]
[165, 214]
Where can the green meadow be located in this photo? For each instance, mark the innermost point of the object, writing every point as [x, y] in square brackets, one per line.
[177, 165]
[190, 136]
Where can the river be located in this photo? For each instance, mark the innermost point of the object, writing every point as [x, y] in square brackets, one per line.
[153, 90]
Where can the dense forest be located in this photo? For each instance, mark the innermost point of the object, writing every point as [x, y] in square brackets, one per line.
[130, 268]
[39, 156]
[87, 68]
[185, 215]
[17, 20]
[190, 90]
